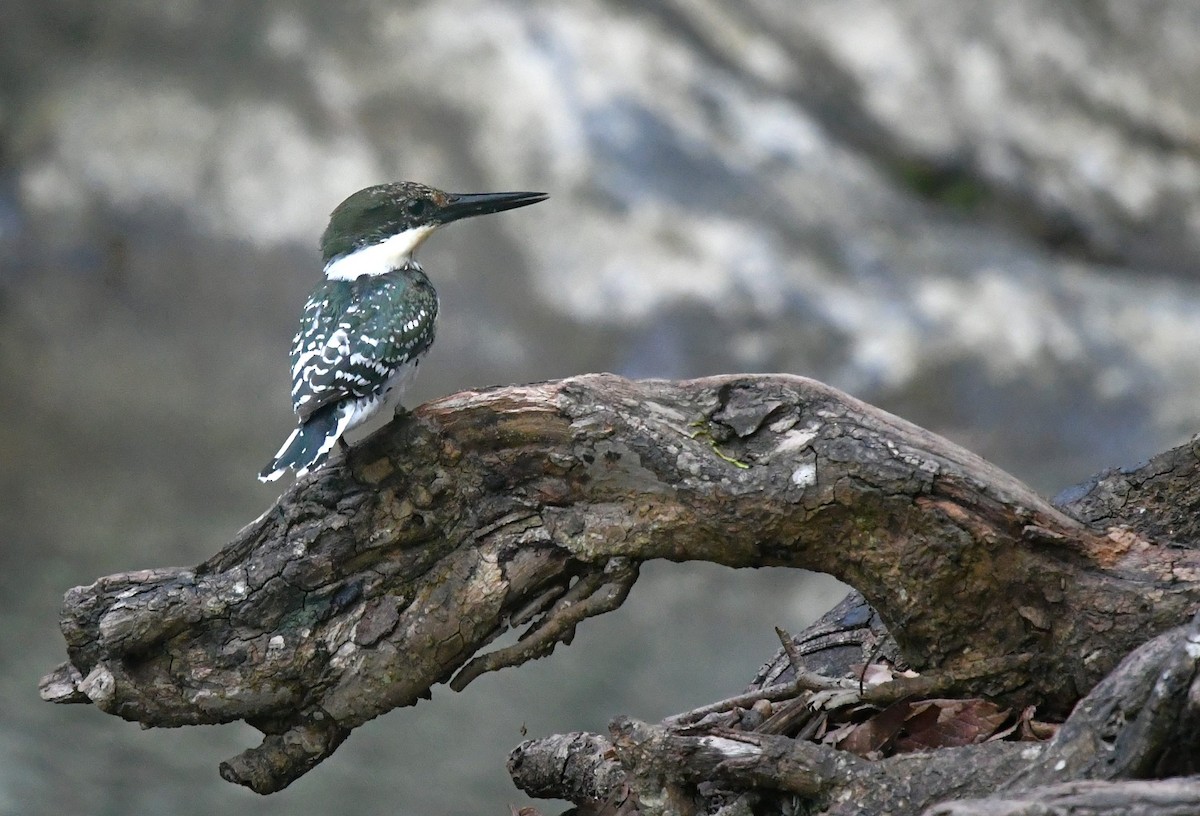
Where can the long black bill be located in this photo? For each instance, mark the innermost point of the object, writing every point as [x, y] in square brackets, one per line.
[465, 205]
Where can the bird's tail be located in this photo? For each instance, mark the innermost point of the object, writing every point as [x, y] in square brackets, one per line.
[309, 445]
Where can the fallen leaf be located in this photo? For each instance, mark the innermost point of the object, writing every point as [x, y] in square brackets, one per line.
[877, 732]
[951, 723]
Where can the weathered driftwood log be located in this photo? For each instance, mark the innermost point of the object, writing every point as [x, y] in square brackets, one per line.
[533, 506]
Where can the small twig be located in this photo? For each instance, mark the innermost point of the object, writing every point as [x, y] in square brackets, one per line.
[537, 605]
[585, 599]
[804, 681]
[898, 688]
[789, 648]
[808, 680]
[782, 691]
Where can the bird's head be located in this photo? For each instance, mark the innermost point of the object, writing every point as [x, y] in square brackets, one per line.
[378, 228]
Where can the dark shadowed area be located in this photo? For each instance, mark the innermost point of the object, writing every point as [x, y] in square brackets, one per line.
[983, 217]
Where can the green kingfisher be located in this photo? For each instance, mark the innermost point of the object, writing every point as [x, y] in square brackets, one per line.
[367, 325]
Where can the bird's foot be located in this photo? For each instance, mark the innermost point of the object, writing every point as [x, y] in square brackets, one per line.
[401, 412]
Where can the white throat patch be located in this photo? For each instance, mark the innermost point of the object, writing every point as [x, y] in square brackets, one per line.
[380, 258]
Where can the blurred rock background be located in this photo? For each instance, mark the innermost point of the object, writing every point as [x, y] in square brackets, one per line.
[981, 216]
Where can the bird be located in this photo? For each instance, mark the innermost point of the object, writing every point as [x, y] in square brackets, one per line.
[366, 326]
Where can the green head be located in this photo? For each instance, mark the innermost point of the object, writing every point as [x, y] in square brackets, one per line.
[381, 226]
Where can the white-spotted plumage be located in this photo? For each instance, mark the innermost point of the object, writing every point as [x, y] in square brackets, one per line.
[358, 348]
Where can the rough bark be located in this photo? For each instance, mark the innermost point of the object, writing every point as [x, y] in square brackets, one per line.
[1170, 797]
[533, 506]
[1139, 722]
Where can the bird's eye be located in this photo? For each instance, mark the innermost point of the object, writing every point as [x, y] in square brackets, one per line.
[416, 208]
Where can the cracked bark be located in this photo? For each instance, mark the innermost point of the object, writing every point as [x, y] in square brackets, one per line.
[374, 579]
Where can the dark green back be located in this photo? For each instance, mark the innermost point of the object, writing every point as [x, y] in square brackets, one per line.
[355, 336]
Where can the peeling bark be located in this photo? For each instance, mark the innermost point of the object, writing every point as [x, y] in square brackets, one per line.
[380, 576]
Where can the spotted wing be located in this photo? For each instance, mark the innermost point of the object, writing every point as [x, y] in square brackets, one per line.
[356, 336]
